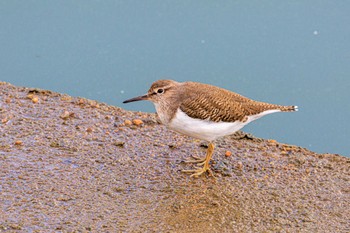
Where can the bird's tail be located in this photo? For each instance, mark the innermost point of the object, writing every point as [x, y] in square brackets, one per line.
[288, 108]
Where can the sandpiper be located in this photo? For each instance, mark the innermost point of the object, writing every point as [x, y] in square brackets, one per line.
[204, 112]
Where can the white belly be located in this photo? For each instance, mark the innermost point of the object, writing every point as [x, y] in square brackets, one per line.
[208, 130]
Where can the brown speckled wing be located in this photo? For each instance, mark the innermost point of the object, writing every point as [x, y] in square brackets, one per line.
[204, 101]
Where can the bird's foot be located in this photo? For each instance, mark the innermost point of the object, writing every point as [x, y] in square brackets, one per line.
[199, 170]
[199, 161]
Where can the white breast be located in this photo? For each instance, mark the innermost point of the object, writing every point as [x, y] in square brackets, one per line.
[208, 130]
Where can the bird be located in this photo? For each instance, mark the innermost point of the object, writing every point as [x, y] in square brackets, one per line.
[204, 112]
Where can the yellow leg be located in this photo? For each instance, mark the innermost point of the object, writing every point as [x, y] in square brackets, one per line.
[204, 162]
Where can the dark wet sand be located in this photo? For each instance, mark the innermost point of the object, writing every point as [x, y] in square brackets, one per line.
[73, 165]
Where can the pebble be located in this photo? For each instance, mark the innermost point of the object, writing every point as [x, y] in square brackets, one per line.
[137, 122]
[33, 97]
[271, 142]
[35, 100]
[65, 115]
[119, 144]
[239, 165]
[18, 143]
[127, 122]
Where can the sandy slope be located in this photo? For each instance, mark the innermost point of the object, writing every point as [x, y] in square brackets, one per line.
[71, 164]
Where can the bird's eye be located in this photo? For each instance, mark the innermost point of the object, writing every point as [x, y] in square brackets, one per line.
[160, 91]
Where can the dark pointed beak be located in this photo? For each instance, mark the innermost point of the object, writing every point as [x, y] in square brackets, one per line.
[143, 97]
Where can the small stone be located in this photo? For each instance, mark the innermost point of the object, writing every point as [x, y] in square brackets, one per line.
[119, 144]
[4, 120]
[14, 226]
[89, 130]
[228, 153]
[18, 143]
[65, 115]
[137, 122]
[239, 165]
[66, 98]
[35, 99]
[284, 152]
[54, 144]
[81, 101]
[127, 122]
[271, 142]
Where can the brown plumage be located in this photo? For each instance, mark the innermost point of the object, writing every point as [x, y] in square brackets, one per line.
[205, 101]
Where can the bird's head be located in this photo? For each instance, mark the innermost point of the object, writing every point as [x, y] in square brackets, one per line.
[158, 93]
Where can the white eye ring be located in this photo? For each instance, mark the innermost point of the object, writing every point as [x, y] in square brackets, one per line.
[160, 91]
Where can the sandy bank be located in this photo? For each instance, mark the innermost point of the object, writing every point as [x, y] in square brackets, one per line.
[72, 164]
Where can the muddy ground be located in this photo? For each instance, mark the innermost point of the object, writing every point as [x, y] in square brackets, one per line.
[77, 165]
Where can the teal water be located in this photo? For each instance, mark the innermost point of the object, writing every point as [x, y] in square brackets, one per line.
[284, 52]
